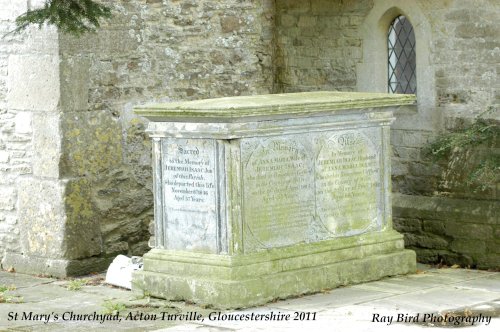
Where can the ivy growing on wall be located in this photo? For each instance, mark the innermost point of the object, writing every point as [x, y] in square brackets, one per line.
[71, 16]
[481, 131]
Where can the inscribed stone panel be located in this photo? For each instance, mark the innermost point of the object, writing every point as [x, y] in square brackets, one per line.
[278, 192]
[348, 182]
[189, 189]
[311, 187]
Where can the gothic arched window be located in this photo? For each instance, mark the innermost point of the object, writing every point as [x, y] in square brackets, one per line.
[402, 58]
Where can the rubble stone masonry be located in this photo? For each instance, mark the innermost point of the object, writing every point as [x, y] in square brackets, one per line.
[75, 162]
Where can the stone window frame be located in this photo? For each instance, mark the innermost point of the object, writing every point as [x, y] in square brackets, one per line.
[372, 70]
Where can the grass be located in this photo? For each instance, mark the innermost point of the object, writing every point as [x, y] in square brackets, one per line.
[76, 284]
[5, 288]
[111, 307]
[6, 297]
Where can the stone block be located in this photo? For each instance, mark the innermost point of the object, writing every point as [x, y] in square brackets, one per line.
[426, 256]
[82, 233]
[399, 167]
[75, 80]
[468, 246]
[12, 9]
[61, 268]
[92, 148]
[444, 256]
[474, 29]
[491, 261]
[56, 219]
[438, 227]
[407, 224]
[412, 139]
[468, 231]
[41, 217]
[47, 139]
[4, 157]
[7, 198]
[443, 208]
[23, 123]
[33, 82]
[230, 23]
[431, 241]
[288, 20]
[41, 41]
[493, 246]
[421, 185]
[106, 42]
[406, 153]
[307, 21]
[424, 169]
[293, 7]
[325, 7]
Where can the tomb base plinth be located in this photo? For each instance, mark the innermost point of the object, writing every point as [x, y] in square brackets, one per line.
[224, 282]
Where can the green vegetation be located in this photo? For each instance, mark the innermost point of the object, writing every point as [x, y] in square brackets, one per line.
[6, 297]
[5, 288]
[111, 307]
[76, 284]
[71, 16]
[481, 131]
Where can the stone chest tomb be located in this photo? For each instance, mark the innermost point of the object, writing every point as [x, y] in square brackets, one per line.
[270, 196]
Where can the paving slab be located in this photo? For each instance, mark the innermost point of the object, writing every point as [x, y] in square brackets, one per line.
[332, 299]
[437, 299]
[22, 280]
[364, 307]
[489, 283]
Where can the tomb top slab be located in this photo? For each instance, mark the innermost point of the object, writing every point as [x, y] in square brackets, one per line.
[244, 108]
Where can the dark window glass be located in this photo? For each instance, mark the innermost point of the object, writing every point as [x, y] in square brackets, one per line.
[402, 58]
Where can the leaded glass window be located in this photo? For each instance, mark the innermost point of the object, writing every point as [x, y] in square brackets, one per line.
[402, 57]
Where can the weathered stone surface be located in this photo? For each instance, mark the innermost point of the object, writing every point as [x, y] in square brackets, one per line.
[349, 181]
[7, 199]
[459, 210]
[123, 218]
[269, 196]
[41, 217]
[219, 292]
[91, 149]
[12, 9]
[454, 231]
[33, 264]
[30, 73]
[47, 145]
[75, 81]
[230, 23]
[190, 198]
[147, 51]
[4, 157]
[82, 234]
[54, 227]
[311, 187]
[278, 193]
[142, 54]
[319, 44]
[23, 123]
[263, 107]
